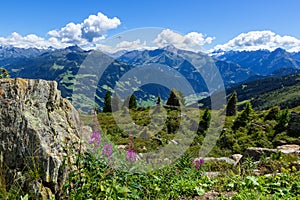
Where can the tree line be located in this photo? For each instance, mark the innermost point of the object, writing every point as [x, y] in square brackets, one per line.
[114, 103]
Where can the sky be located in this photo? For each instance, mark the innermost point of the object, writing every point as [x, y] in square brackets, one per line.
[209, 24]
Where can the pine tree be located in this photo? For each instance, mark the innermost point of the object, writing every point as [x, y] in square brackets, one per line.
[231, 109]
[244, 117]
[132, 102]
[107, 102]
[205, 121]
[158, 102]
[115, 102]
[273, 113]
[174, 98]
[206, 118]
[282, 119]
[3, 73]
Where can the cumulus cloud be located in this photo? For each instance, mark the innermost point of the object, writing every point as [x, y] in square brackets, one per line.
[85, 34]
[190, 41]
[256, 40]
[95, 26]
[71, 33]
[29, 41]
[92, 28]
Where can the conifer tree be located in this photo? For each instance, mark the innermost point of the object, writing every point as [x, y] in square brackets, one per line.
[231, 109]
[273, 113]
[132, 102]
[3, 73]
[107, 102]
[173, 99]
[206, 118]
[244, 117]
[282, 120]
[158, 102]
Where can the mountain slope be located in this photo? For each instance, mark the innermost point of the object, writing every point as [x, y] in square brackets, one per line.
[264, 93]
[262, 62]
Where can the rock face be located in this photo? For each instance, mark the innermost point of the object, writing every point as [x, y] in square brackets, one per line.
[257, 152]
[289, 149]
[37, 127]
[294, 124]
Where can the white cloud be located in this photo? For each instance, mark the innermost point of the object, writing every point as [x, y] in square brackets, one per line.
[190, 41]
[125, 45]
[91, 29]
[84, 34]
[95, 26]
[29, 41]
[256, 40]
[71, 33]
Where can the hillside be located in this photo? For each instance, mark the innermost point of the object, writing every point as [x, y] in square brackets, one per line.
[264, 93]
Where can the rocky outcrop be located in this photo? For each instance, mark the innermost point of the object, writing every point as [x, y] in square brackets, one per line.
[256, 152]
[289, 149]
[37, 130]
[221, 159]
[294, 124]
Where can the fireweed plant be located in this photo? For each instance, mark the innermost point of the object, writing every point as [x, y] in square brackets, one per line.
[113, 155]
[100, 178]
[198, 163]
[97, 179]
[101, 144]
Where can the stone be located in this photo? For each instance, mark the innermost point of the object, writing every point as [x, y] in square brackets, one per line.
[289, 149]
[37, 130]
[174, 142]
[236, 157]
[212, 174]
[294, 124]
[221, 159]
[256, 152]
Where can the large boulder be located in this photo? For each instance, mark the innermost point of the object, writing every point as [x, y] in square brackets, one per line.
[257, 152]
[289, 149]
[38, 131]
[294, 124]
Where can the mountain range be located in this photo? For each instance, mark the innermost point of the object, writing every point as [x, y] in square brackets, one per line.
[73, 65]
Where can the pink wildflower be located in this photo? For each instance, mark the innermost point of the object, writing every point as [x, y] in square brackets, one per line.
[198, 163]
[107, 151]
[95, 138]
[131, 156]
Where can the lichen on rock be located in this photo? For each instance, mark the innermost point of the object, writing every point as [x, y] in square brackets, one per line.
[37, 130]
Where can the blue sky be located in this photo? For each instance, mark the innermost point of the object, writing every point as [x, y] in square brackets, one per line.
[222, 20]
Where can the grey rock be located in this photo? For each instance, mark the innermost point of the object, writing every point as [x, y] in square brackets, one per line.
[236, 157]
[256, 152]
[212, 174]
[294, 124]
[289, 149]
[221, 159]
[37, 129]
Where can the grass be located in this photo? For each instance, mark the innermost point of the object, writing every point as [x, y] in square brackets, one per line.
[182, 179]
[97, 177]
